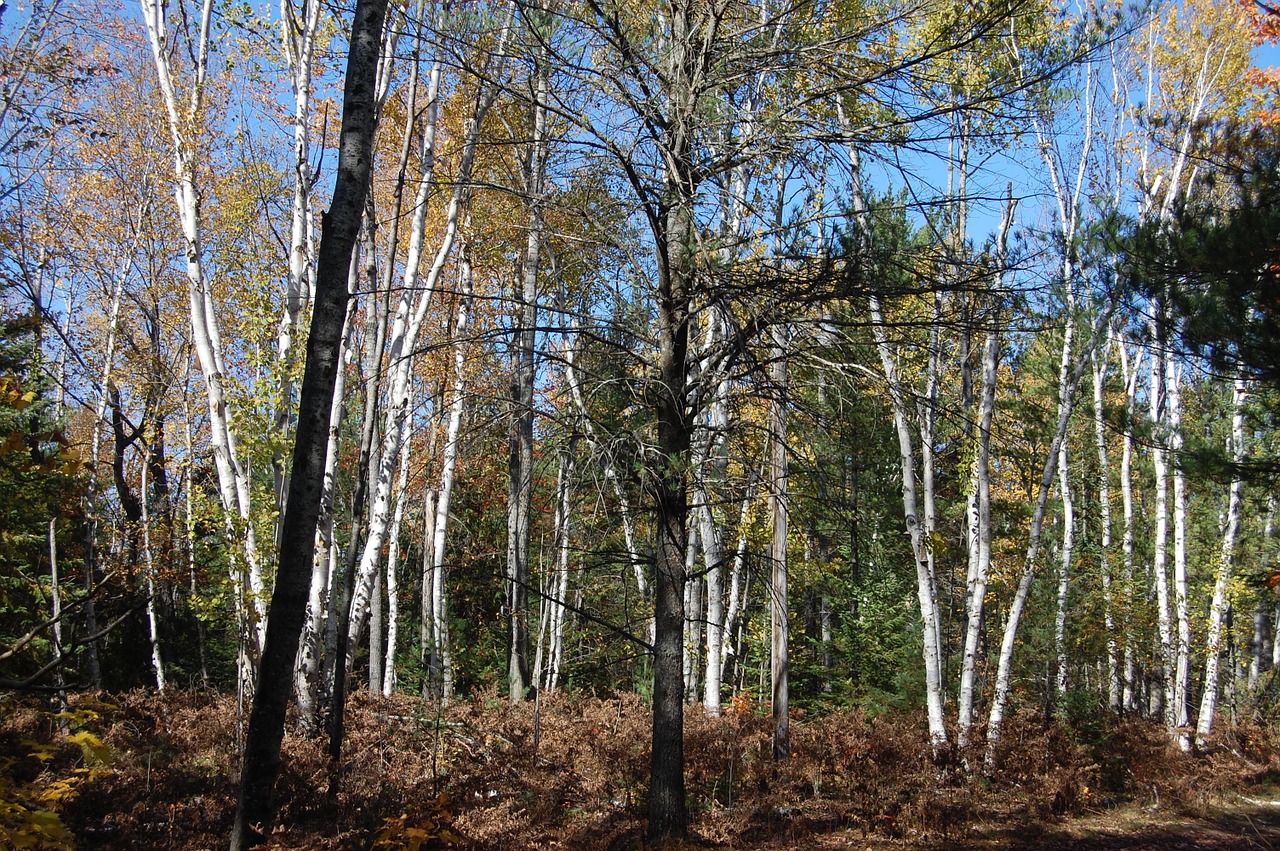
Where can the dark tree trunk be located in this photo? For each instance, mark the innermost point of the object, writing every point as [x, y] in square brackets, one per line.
[668, 814]
[129, 502]
[668, 817]
[289, 600]
[781, 635]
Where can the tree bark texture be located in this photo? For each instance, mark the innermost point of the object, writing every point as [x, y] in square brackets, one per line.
[288, 603]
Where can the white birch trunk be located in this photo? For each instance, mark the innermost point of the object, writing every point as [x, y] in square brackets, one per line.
[733, 611]
[1182, 677]
[1268, 560]
[1104, 508]
[448, 468]
[55, 595]
[718, 427]
[1275, 639]
[928, 415]
[401, 358]
[925, 588]
[149, 568]
[1064, 569]
[1130, 376]
[1068, 382]
[298, 35]
[1218, 605]
[560, 592]
[407, 325]
[980, 504]
[925, 591]
[977, 591]
[1160, 541]
[233, 480]
[393, 567]
[710, 470]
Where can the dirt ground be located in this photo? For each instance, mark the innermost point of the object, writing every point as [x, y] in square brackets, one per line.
[1239, 823]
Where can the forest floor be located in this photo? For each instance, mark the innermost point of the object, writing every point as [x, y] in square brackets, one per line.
[1234, 822]
[139, 771]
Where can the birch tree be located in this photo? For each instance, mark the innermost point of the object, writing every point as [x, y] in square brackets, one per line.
[299, 29]
[1226, 561]
[408, 324]
[1099, 372]
[976, 591]
[185, 114]
[520, 454]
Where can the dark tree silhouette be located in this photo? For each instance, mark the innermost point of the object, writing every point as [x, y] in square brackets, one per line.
[289, 599]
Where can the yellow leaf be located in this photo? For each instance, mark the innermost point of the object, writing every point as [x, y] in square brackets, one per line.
[91, 747]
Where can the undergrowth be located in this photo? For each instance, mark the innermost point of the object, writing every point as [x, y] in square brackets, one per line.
[571, 772]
